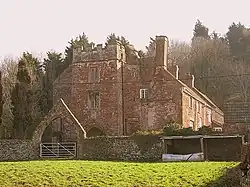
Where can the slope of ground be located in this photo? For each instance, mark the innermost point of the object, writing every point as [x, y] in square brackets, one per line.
[98, 173]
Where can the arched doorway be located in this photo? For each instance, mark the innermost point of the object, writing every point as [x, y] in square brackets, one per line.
[60, 117]
[94, 131]
[54, 131]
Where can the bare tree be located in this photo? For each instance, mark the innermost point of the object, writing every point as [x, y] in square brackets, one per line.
[9, 70]
[241, 78]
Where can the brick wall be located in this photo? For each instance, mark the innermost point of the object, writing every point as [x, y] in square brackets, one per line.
[164, 102]
[198, 111]
[195, 112]
[105, 117]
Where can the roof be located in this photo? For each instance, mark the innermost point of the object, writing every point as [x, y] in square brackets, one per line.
[197, 92]
[199, 136]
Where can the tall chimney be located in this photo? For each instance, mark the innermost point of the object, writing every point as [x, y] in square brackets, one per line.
[189, 80]
[176, 71]
[161, 51]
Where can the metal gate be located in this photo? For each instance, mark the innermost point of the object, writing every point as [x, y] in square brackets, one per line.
[58, 150]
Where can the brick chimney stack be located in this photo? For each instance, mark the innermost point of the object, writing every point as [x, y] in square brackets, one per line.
[161, 51]
[189, 80]
[176, 71]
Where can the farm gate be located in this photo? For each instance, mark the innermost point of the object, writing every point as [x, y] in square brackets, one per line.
[58, 150]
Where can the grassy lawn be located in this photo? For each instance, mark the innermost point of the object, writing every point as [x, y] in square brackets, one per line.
[98, 173]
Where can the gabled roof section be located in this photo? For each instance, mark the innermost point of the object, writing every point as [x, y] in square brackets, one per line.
[191, 90]
[60, 109]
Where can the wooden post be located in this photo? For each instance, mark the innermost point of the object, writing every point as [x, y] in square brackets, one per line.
[202, 146]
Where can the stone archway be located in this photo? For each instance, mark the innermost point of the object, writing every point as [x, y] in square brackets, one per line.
[59, 110]
[94, 131]
[54, 131]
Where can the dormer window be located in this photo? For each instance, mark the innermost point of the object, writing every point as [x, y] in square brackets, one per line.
[143, 93]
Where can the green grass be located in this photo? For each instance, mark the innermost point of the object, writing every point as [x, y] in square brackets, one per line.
[98, 173]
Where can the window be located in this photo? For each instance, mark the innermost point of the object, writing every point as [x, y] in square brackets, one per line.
[191, 124]
[94, 74]
[217, 129]
[200, 123]
[193, 103]
[94, 100]
[190, 102]
[143, 93]
[209, 116]
[200, 107]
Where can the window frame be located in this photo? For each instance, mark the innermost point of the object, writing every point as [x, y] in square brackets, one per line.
[143, 93]
[94, 74]
[94, 103]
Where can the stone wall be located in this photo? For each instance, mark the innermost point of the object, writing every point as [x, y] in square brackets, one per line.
[17, 150]
[137, 148]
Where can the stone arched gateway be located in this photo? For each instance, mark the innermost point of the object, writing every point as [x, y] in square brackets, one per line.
[60, 111]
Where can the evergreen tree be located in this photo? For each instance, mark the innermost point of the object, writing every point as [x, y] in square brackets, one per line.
[1, 99]
[20, 97]
[80, 41]
[53, 65]
[200, 30]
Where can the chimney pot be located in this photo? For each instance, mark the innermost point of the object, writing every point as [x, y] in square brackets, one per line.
[189, 80]
[177, 72]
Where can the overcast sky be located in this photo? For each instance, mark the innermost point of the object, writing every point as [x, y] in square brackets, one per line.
[41, 25]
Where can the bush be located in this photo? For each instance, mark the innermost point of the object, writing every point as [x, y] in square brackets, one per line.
[175, 129]
[150, 132]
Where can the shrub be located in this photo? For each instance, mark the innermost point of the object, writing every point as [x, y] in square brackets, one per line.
[175, 129]
[149, 132]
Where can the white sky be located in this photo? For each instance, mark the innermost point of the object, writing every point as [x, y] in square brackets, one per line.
[41, 25]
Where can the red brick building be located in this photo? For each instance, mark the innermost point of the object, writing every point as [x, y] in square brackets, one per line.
[112, 93]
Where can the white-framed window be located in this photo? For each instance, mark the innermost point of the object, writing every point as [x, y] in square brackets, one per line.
[200, 123]
[193, 103]
[94, 100]
[191, 124]
[190, 101]
[209, 116]
[143, 93]
[217, 129]
[94, 74]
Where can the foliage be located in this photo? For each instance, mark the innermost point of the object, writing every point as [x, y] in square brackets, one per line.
[1, 98]
[149, 132]
[130, 51]
[175, 129]
[200, 30]
[151, 47]
[80, 41]
[9, 70]
[100, 173]
[53, 66]
[27, 97]
[20, 97]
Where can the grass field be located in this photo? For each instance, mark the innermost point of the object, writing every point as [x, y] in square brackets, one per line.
[97, 173]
